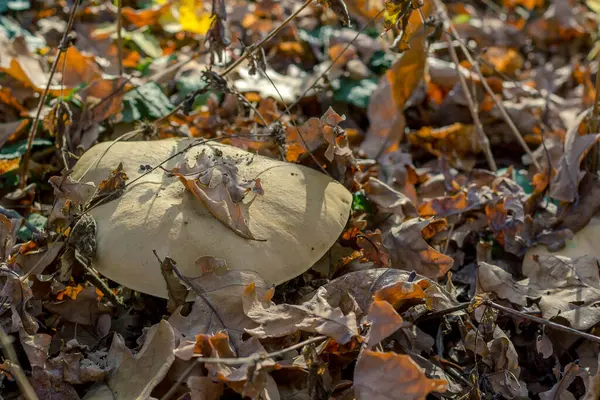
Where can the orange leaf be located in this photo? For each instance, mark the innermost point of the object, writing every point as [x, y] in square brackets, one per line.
[398, 293]
[384, 376]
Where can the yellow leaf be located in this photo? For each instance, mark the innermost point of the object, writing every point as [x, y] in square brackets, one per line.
[193, 18]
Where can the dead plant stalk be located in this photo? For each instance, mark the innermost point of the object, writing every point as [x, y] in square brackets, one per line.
[485, 143]
[475, 65]
[64, 45]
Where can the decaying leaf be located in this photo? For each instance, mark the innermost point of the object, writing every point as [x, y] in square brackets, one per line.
[410, 251]
[559, 390]
[383, 320]
[316, 315]
[565, 183]
[136, 376]
[557, 284]
[387, 103]
[381, 376]
[215, 182]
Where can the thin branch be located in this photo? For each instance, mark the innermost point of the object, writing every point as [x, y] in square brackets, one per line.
[545, 322]
[179, 381]
[119, 36]
[64, 45]
[475, 65]
[324, 73]
[254, 358]
[485, 143]
[300, 135]
[251, 50]
[15, 369]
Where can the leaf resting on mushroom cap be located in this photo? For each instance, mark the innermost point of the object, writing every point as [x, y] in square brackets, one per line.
[215, 182]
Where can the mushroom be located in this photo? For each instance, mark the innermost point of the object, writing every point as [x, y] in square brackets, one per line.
[297, 219]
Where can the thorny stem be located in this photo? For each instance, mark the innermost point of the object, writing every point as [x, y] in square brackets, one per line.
[251, 50]
[485, 143]
[442, 9]
[64, 44]
[119, 37]
[15, 369]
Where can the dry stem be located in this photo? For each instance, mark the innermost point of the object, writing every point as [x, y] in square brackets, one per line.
[61, 49]
[119, 37]
[442, 9]
[15, 369]
[251, 50]
[485, 143]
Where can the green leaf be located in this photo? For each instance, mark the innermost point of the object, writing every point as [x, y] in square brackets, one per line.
[145, 102]
[461, 19]
[37, 220]
[16, 150]
[360, 202]
[354, 92]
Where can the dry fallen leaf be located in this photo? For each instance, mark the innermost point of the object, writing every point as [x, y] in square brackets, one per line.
[136, 376]
[383, 376]
[410, 251]
[387, 103]
[316, 315]
[215, 182]
[564, 185]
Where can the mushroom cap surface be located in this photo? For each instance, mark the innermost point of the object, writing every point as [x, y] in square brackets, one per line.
[299, 217]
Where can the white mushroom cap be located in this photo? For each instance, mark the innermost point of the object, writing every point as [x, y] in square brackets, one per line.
[299, 217]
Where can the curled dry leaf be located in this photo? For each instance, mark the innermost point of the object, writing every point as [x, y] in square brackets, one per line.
[410, 251]
[559, 390]
[136, 376]
[315, 315]
[215, 182]
[564, 185]
[389, 200]
[383, 376]
[372, 248]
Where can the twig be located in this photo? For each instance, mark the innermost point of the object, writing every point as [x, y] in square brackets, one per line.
[64, 45]
[15, 369]
[549, 324]
[442, 9]
[254, 358]
[251, 50]
[485, 143]
[324, 73]
[300, 135]
[184, 375]
[119, 36]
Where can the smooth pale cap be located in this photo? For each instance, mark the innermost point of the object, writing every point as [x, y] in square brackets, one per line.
[300, 215]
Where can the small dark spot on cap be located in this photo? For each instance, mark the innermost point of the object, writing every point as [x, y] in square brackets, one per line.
[312, 248]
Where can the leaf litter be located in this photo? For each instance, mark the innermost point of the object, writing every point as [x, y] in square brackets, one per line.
[409, 302]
